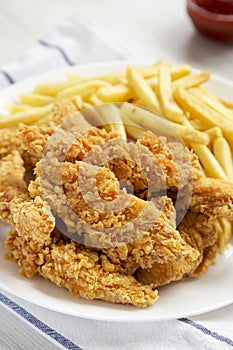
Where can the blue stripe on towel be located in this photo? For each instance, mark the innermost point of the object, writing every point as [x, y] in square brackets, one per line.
[7, 76]
[63, 53]
[206, 331]
[43, 327]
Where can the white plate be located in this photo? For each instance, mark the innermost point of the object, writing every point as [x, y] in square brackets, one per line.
[181, 299]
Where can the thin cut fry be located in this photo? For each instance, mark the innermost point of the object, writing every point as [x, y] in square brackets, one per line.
[52, 89]
[220, 231]
[35, 99]
[192, 135]
[222, 153]
[170, 108]
[214, 133]
[227, 229]
[132, 128]
[210, 165]
[94, 100]
[191, 80]
[147, 120]
[226, 103]
[211, 101]
[111, 116]
[142, 89]
[15, 108]
[27, 117]
[82, 89]
[199, 110]
[115, 93]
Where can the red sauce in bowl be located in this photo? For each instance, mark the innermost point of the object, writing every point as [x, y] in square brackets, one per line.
[224, 7]
[213, 18]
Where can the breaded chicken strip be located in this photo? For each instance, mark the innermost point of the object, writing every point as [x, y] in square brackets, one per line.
[212, 197]
[178, 164]
[136, 235]
[199, 232]
[87, 274]
[16, 206]
[37, 248]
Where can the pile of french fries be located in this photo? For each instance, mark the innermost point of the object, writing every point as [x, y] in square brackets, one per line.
[203, 121]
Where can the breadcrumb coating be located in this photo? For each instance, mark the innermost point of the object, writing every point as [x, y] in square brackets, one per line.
[213, 197]
[131, 243]
[8, 142]
[85, 273]
[199, 232]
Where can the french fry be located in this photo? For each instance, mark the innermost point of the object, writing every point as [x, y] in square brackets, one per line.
[115, 93]
[211, 101]
[192, 135]
[132, 129]
[113, 78]
[78, 101]
[177, 71]
[94, 100]
[220, 232]
[191, 80]
[154, 83]
[201, 111]
[28, 116]
[198, 124]
[13, 108]
[52, 89]
[169, 106]
[214, 133]
[142, 89]
[210, 165]
[81, 89]
[222, 153]
[226, 103]
[148, 120]
[227, 229]
[111, 116]
[180, 71]
[35, 99]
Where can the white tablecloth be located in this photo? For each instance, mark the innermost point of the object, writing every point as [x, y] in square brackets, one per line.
[26, 326]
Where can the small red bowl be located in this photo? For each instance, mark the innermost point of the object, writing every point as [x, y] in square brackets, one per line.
[213, 25]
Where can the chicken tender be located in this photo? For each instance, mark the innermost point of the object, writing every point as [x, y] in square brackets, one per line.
[199, 232]
[135, 245]
[212, 197]
[85, 273]
[38, 248]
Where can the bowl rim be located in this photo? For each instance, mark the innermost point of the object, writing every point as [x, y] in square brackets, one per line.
[208, 15]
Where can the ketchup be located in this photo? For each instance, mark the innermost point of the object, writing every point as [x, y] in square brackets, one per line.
[224, 7]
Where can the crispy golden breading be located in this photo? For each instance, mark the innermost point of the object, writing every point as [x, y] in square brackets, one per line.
[35, 138]
[16, 206]
[161, 242]
[177, 163]
[61, 111]
[199, 232]
[212, 197]
[84, 272]
[126, 232]
[35, 250]
[12, 184]
[8, 142]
